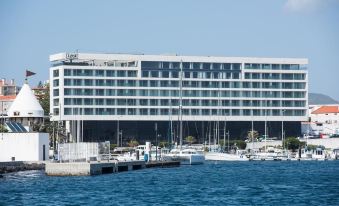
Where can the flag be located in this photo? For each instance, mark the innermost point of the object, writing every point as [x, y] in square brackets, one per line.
[29, 73]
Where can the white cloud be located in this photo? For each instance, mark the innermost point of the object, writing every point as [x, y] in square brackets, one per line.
[305, 5]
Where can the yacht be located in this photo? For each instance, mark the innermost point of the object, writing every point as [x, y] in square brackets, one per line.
[187, 156]
[240, 155]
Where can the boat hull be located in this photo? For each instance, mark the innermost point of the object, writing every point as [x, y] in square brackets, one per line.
[186, 159]
[216, 156]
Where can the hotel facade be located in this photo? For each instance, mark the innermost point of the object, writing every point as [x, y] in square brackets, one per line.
[100, 96]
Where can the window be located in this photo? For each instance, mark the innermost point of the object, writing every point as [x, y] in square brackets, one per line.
[150, 64]
[236, 75]
[99, 92]
[236, 66]
[88, 82]
[99, 73]
[88, 101]
[143, 102]
[154, 74]
[175, 65]
[153, 112]
[286, 67]
[186, 65]
[110, 73]
[99, 101]
[122, 102]
[175, 74]
[131, 73]
[227, 66]
[67, 72]
[216, 66]
[56, 82]
[121, 73]
[165, 65]
[266, 66]
[56, 73]
[196, 65]
[165, 74]
[56, 92]
[153, 83]
[276, 66]
[206, 66]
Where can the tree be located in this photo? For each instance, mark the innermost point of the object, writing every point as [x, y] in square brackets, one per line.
[112, 146]
[133, 143]
[164, 144]
[293, 143]
[190, 139]
[252, 135]
[43, 95]
[240, 144]
[3, 129]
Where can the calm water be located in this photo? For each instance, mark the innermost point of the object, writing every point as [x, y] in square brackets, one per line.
[229, 183]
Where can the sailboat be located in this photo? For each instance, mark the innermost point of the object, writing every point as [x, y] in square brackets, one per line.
[239, 155]
[185, 155]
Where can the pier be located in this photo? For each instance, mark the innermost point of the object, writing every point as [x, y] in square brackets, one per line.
[91, 168]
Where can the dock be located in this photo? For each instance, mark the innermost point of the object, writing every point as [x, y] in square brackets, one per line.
[91, 168]
[98, 168]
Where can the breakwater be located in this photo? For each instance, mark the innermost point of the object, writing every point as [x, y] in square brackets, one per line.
[6, 167]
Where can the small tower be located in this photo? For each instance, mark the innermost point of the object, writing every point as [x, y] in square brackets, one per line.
[26, 109]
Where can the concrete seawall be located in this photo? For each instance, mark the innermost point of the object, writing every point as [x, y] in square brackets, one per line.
[91, 168]
[17, 166]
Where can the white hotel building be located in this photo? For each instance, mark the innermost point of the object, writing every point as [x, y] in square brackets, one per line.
[135, 91]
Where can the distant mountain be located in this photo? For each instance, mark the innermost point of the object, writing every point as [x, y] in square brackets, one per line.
[316, 98]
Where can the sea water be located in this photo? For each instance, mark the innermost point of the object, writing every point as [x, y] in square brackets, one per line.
[213, 183]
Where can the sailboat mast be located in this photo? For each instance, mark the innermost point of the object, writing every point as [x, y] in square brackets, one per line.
[225, 134]
[171, 123]
[265, 124]
[180, 105]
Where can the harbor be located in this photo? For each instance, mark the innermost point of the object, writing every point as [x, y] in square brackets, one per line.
[169, 102]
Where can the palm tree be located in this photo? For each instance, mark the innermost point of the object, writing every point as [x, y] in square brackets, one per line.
[190, 139]
[133, 143]
[252, 135]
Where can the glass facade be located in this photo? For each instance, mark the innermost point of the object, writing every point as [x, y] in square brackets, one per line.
[153, 88]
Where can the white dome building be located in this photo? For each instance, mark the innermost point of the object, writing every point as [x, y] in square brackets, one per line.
[26, 109]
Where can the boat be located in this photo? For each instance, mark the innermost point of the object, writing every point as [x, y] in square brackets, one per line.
[189, 156]
[220, 156]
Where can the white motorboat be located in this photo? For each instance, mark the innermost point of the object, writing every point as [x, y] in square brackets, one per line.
[185, 156]
[219, 156]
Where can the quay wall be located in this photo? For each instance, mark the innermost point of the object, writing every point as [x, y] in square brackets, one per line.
[17, 166]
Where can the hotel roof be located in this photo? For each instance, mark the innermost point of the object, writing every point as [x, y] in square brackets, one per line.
[167, 57]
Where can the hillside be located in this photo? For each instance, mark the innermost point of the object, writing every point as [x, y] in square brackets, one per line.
[316, 98]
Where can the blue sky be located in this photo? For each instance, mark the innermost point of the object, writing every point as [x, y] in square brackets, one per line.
[32, 30]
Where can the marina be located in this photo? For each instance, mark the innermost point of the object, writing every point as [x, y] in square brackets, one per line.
[169, 103]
